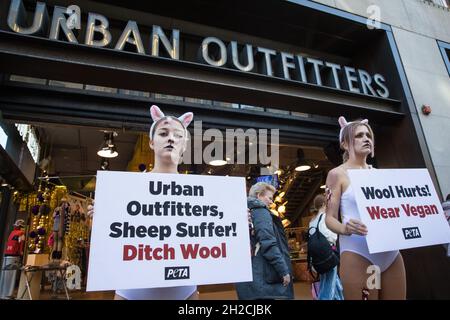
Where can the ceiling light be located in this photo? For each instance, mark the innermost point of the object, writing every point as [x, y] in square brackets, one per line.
[303, 167]
[218, 163]
[108, 148]
[281, 209]
[301, 164]
[286, 223]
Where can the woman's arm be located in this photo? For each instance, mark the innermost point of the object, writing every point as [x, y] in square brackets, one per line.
[334, 190]
[333, 196]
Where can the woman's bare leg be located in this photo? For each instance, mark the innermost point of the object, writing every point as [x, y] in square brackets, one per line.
[353, 273]
[117, 297]
[393, 281]
[194, 296]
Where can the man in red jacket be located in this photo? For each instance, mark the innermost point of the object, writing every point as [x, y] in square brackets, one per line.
[12, 260]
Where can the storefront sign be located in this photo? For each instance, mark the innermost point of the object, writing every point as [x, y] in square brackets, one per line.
[212, 51]
[400, 208]
[165, 230]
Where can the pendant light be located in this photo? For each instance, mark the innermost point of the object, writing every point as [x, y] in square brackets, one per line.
[108, 148]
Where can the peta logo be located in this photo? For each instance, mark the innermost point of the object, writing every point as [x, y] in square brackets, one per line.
[176, 273]
[411, 233]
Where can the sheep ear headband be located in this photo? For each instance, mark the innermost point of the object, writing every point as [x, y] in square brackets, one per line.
[158, 115]
[343, 123]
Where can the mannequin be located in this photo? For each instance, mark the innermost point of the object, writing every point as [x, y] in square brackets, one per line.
[12, 260]
[60, 223]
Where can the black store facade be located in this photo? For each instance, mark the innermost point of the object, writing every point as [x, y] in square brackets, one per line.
[303, 64]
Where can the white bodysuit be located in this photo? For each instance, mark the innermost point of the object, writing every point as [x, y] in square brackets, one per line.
[171, 293]
[358, 244]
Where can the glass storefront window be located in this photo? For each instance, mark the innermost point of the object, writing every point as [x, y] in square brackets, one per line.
[17, 78]
[134, 93]
[168, 97]
[101, 89]
[226, 104]
[253, 108]
[199, 101]
[137, 93]
[277, 111]
[65, 84]
[300, 114]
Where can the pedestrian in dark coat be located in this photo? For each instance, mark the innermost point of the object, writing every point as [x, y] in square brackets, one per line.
[271, 265]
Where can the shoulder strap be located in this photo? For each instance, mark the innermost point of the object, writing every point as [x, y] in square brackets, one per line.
[320, 218]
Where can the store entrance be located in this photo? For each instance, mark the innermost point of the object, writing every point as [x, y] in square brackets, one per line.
[68, 167]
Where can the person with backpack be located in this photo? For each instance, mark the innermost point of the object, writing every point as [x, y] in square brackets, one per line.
[323, 255]
[271, 264]
[12, 260]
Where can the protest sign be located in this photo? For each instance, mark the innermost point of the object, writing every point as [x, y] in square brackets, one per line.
[165, 230]
[400, 208]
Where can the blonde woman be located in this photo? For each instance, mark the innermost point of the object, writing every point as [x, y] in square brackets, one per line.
[271, 264]
[357, 140]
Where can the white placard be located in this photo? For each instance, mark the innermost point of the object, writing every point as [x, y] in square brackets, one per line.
[188, 230]
[400, 208]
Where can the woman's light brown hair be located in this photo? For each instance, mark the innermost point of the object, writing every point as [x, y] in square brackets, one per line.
[319, 201]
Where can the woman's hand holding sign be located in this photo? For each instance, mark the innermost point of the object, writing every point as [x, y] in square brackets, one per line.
[354, 226]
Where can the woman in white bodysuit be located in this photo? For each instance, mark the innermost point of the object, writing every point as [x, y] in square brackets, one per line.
[168, 137]
[357, 140]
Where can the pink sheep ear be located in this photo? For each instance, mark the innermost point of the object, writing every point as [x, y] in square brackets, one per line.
[186, 118]
[342, 121]
[156, 113]
[365, 121]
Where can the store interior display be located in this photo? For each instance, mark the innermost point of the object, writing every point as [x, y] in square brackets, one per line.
[57, 228]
